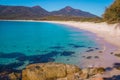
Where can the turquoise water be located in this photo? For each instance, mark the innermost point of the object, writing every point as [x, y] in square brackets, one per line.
[23, 43]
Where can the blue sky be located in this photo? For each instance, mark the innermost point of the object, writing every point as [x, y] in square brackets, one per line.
[96, 7]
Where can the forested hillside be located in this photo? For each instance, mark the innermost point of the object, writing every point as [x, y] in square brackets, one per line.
[112, 13]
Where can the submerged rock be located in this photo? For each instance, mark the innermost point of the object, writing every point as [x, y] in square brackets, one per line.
[67, 53]
[118, 55]
[117, 66]
[90, 50]
[89, 57]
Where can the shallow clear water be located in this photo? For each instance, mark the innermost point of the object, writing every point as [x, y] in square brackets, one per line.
[22, 43]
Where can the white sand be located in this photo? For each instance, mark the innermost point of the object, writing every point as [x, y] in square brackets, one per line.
[109, 37]
[103, 30]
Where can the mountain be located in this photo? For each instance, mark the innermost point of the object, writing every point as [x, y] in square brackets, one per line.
[21, 12]
[69, 11]
[37, 12]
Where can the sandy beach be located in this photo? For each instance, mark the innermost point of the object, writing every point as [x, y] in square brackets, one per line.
[108, 36]
[109, 32]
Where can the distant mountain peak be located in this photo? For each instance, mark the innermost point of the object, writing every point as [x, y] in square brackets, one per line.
[23, 12]
[67, 8]
[69, 11]
[38, 9]
[37, 6]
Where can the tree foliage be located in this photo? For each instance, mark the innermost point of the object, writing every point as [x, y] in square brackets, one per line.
[112, 14]
[70, 18]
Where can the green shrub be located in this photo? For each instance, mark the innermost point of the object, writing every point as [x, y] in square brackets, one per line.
[112, 14]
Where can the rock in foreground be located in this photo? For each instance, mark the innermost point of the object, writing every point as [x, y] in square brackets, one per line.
[57, 71]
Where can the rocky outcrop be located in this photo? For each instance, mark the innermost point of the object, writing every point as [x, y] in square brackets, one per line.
[10, 75]
[57, 71]
[48, 71]
[14, 76]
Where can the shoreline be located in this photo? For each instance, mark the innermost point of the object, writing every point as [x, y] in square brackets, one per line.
[102, 30]
[95, 28]
[107, 36]
[105, 33]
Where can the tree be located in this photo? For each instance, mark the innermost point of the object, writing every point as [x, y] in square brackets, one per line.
[112, 13]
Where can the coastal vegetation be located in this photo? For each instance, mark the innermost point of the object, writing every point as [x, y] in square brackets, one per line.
[71, 18]
[112, 13]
